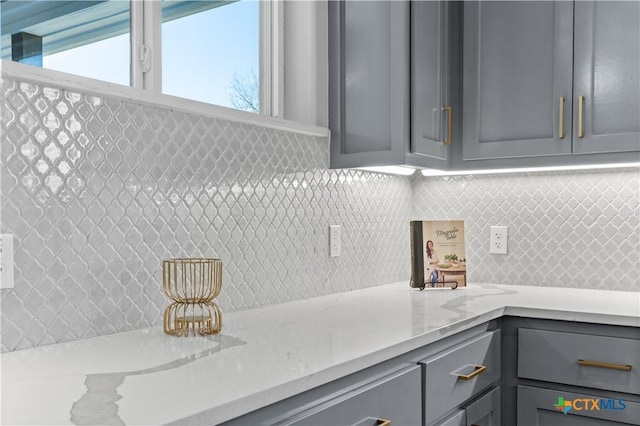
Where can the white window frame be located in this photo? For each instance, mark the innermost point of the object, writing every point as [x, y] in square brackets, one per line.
[146, 74]
[272, 58]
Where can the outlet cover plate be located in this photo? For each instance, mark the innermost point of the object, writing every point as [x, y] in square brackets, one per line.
[6, 261]
[498, 240]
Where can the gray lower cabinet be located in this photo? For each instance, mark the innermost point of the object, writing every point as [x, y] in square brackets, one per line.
[547, 407]
[579, 359]
[390, 392]
[395, 399]
[485, 411]
[458, 418]
[607, 77]
[459, 374]
[525, 372]
[576, 374]
[450, 382]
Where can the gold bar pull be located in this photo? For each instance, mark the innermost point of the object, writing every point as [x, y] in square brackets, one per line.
[581, 116]
[561, 119]
[599, 364]
[479, 370]
[449, 124]
[383, 422]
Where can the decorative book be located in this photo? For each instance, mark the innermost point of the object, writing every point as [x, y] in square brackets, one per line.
[438, 254]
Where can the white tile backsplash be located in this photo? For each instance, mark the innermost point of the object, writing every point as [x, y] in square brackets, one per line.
[98, 190]
[566, 229]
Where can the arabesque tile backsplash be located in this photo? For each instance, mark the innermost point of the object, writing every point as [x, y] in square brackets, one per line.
[565, 229]
[98, 190]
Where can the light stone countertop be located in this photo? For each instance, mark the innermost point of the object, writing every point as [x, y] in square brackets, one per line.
[268, 354]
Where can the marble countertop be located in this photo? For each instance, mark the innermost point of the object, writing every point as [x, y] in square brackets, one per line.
[268, 354]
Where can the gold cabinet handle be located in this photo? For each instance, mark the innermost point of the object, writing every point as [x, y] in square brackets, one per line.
[608, 365]
[383, 422]
[561, 119]
[581, 116]
[449, 124]
[478, 370]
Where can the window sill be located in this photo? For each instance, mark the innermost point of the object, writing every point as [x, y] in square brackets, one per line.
[21, 72]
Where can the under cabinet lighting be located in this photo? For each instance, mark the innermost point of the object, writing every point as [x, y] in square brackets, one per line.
[393, 170]
[431, 172]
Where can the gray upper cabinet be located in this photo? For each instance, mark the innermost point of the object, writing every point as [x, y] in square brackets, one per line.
[607, 77]
[432, 106]
[548, 83]
[483, 84]
[368, 82]
[517, 79]
[390, 82]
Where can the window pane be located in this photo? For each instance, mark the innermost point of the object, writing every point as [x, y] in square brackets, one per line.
[88, 38]
[210, 52]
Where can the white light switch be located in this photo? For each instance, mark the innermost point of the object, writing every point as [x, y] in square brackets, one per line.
[6, 261]
[335, 246]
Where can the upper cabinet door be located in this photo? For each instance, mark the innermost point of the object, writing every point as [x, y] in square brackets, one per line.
[368, 82]
[431, 106]
[517, 74]
[607, 77]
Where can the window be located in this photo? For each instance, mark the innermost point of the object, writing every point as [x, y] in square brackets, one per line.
[87, 38]
[209, 50]
[211, 54]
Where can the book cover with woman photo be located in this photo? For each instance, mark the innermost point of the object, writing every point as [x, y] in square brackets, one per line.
[437, 254]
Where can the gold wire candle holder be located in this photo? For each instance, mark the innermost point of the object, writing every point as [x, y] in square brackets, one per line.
[192, 284]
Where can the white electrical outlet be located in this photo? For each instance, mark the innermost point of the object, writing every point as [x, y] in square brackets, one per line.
[335, 246]
[6, 261]
[498, 240]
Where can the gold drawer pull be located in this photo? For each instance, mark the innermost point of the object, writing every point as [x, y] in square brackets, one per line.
[581, 117]
[383, 422]
[561, 118]
[599, 364]
[478, 370]
[449, 124]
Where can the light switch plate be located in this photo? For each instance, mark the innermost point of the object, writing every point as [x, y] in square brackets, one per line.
[6, 261]
[335, 245]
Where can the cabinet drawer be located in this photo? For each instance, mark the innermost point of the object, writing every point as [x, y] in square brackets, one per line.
[395, 397]
[544, 407]
[555, 357]
[445, 386]
[485, 411]
[459, 418]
